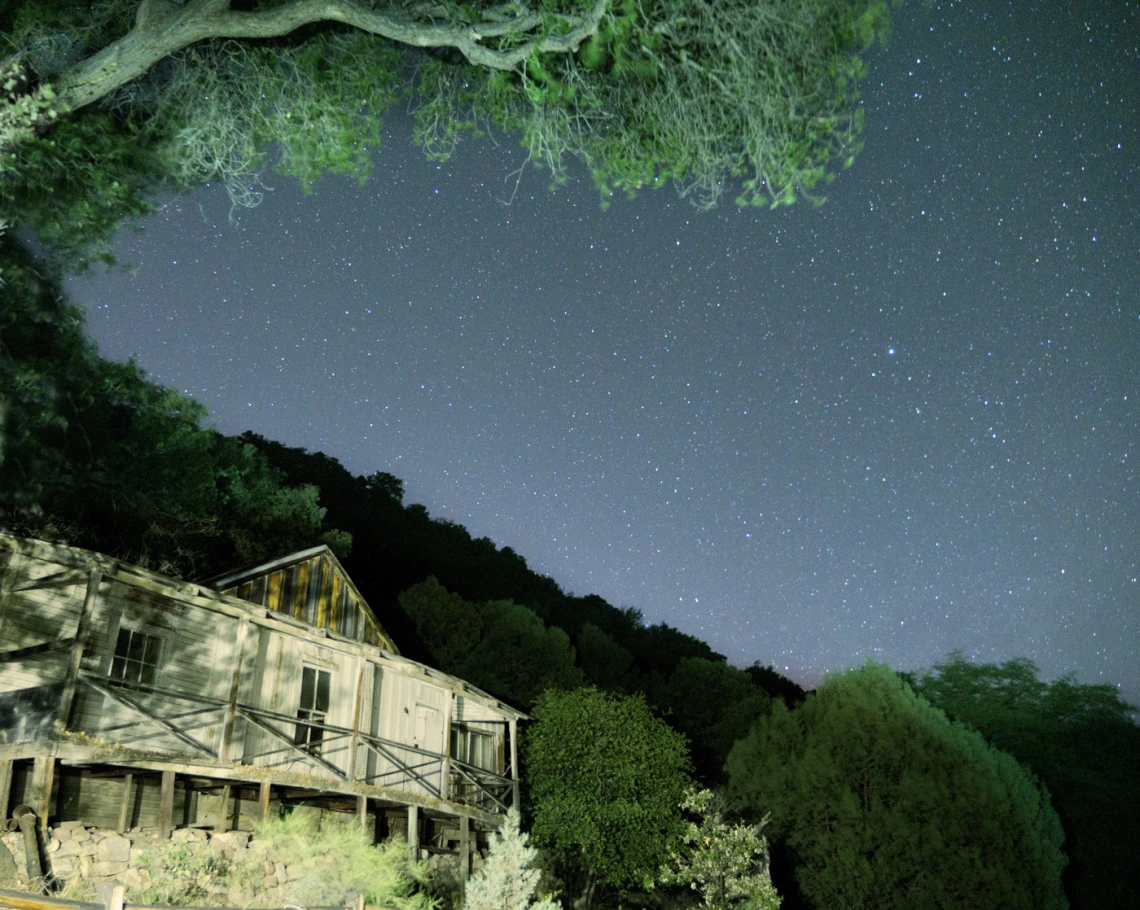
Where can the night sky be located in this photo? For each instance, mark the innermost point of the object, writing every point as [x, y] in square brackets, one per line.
[903, 423]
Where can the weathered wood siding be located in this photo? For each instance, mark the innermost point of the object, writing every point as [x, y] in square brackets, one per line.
[316, 591]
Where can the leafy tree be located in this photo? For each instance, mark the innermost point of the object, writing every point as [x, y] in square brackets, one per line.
[1081, 741]
[703, 93]
[92, 451]
[498, 645]
[508, 877]
[883, 802]
[606, 664]
[776, 684]
[726, 863]
[604, 778]
[714, 704]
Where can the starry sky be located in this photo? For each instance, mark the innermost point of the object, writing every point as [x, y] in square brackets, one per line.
[900, 424]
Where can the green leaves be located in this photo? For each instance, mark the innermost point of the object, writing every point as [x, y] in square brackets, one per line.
[604, 779]
[885, 803]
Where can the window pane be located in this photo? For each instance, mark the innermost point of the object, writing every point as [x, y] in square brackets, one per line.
[118, 668]
[151, 650]
[123, 645]
[322, 703]
[138, 646]
[308, 680]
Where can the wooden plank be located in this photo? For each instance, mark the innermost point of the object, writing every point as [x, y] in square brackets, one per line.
[235, 686]
[414, 833]
[43, 775]
[82, 634]
[125, 803]
[110, 895]
[21, 900]
[464, 849]
[445, 765]
[225, 825]
[46, 647]
[362, 811]
[57, 579]
[8, 581]
[357, 706]
[5, 788]
[166, 806]
[512, 725]
[263, 794]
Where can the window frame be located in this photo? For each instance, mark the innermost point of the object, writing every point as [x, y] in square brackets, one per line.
[307, 737]
[148, 635]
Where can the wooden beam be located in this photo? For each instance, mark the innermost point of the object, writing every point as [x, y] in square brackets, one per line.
[414, 833]
[235, 685]
[5, 789]
[362, 811]
[445, 765]
[82, 634]
[44, 647]
[263, 794]
[225, 826]
[125, 803]
[166, 806]
[7, 583]
[513, 734]
[43, 776]
[110, 895]
[357, 707]
[464, 849]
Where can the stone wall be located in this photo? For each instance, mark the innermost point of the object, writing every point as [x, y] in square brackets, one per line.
[82, 857]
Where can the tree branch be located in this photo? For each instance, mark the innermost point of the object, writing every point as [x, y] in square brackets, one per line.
[163, 27]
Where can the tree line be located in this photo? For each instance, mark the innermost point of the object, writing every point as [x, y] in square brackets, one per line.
[965, 784]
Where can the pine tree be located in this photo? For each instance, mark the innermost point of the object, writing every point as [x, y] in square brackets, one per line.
[507, 879]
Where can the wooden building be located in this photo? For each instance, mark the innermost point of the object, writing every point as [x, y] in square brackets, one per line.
[132, 700]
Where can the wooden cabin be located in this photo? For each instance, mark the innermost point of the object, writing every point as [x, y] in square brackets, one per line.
[131, 700]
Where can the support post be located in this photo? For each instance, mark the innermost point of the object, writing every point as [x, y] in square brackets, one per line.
[5, 789]
[110, 895]
[166, 806]
[263, 794]
[464, 850]
[225, 826]
[513, 724]
[235, 684]
[357, 704]
[414, 833]
[125, 802]
[43, 776]
[362, 811]
[445, 765]
[82, 634]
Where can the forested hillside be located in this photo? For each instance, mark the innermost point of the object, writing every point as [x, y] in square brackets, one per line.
[900, 774]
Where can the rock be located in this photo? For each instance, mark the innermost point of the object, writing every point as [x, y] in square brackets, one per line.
[69, 848]
[64, 866]
[80, 834]
[53, 845]
[107, 868]
[61, 833]
[7, 864]
[187, 835]
[113, 848]
[230, 840]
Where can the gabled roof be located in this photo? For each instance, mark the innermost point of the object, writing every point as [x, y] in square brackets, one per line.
[312, 586]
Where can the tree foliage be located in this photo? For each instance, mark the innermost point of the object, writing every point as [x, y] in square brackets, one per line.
[883, 802]
[1081, 741]
[93, 452]
[509, 876]
[605, 779]
[758, 99]
[499, 645]
[726, 863]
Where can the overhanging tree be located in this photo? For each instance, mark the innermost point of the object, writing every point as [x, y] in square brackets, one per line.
[706, 93]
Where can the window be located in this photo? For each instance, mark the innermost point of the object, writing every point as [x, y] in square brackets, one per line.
[315, 685]
[136, 657]
[473, 747]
